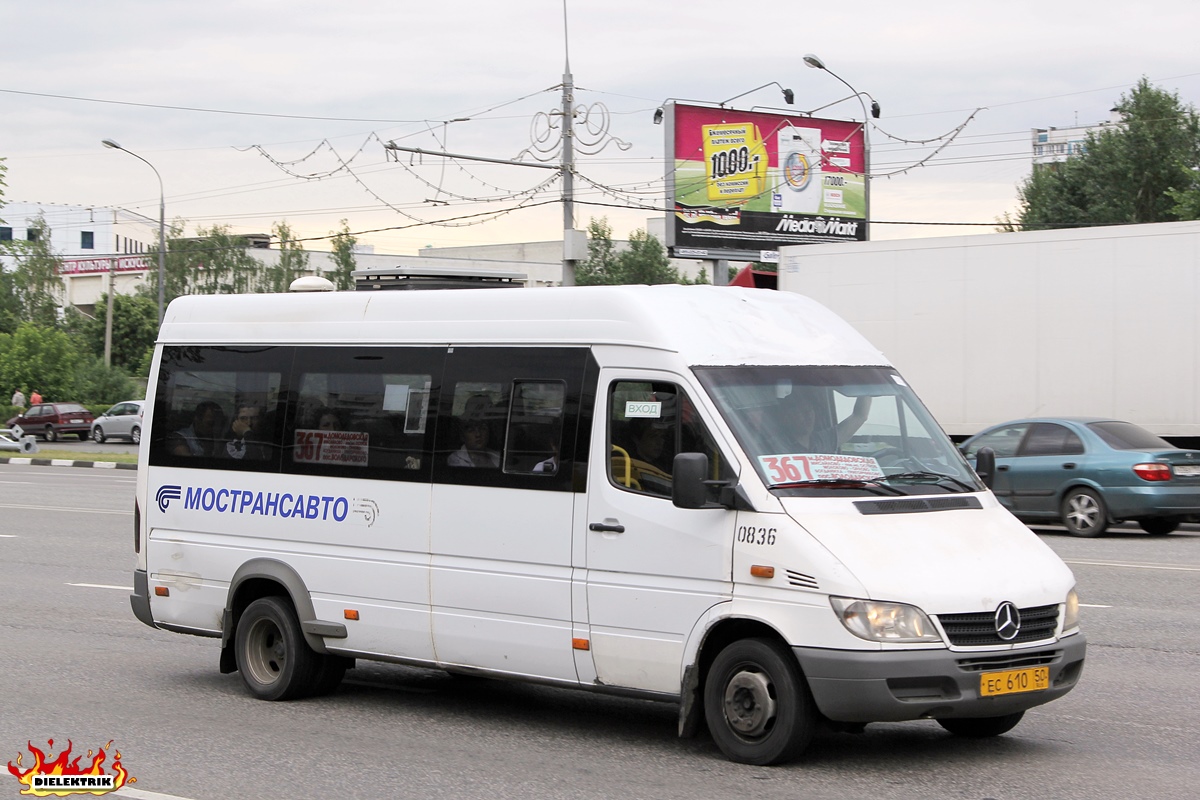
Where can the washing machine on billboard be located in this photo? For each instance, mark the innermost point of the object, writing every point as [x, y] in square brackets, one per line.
[798, 188]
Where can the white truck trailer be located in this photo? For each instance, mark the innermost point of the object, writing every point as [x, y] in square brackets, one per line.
[988, 328]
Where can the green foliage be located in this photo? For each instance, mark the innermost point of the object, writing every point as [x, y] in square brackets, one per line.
[644, 262]
[38, 358]
[10, 307]
[36, 286]
[214, 262]
[342, 245]
[1143, 170]
[135, 327]
[292, 261]
[96, 383]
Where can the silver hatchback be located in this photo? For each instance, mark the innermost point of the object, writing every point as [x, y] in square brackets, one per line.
[122, 421]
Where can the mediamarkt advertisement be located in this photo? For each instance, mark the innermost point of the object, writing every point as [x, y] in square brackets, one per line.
[744, 183]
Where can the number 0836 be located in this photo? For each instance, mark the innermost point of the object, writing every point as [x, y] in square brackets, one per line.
[1035, 679]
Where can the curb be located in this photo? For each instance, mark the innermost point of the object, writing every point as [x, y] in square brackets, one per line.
[64, 462]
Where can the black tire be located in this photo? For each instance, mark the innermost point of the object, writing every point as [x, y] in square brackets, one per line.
[51, 434]
[981, 727]
[98, 435]
[1159, 526]
[330, 671]
[757, 704]
[136, 434]
[274, 660]
[1083, 513]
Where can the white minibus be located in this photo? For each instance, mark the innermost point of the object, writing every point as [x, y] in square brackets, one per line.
[719, 497]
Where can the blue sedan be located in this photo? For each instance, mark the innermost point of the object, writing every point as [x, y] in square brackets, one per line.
[1090, 472]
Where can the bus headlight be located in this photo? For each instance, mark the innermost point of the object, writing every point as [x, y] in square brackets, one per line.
[1071, 613]
[884, 622]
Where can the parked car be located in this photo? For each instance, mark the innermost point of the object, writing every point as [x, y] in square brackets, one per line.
[1090, 473]
[52, 420]
[122, 421]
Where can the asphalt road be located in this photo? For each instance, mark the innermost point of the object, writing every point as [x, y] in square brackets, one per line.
[75, 664]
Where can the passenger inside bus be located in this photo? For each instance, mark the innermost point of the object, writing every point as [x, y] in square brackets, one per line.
[475, 431]
[202, 436]
[243, 440]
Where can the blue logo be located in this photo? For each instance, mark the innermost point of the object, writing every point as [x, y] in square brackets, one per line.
[166, 494]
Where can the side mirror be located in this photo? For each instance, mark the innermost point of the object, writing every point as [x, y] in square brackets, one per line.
[985, 465]
[689, 471]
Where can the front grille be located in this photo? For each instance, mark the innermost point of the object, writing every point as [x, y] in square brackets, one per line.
[979, 629]
[1041, 658]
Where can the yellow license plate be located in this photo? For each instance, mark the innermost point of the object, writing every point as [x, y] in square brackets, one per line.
[1034, 679]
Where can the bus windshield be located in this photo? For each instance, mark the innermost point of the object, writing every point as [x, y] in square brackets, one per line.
[837, 428]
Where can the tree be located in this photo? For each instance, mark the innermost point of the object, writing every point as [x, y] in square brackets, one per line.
[135, 327]
[645, 261]
[37, 287]
[293, 261]
[1143, 170]
[39, 358]
[213, 262]
[342, 245]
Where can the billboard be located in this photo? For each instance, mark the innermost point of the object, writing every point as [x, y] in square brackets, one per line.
[742, 184]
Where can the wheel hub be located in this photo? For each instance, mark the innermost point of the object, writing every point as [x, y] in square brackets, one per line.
[749, 706]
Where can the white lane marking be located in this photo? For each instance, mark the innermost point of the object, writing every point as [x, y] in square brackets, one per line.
[1092, 605]
[1134, 566]
[8, 536]
[65, 508]
[142, 794]
[102, 586]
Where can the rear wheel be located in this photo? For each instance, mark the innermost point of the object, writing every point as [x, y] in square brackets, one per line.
[1159, 526]
[981, 727]
[98, 435]
[757, 703]
[274, 660]
[51, 434]
[1083, 513]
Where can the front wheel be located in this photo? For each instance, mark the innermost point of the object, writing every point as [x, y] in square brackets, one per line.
[98, 435]
[1159, 526]
[274, 660]
[757, 704]
[136, 434]
[1083, 513]
[981, 727]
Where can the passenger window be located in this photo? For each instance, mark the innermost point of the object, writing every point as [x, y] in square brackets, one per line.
[219, 407]
[1004, 441]
[649, 423]
[362, 412]
[478, 415]
[1048, 439]
[535, 424]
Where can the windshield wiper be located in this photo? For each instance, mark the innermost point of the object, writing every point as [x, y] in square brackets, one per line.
[933, 477]
[873, 485]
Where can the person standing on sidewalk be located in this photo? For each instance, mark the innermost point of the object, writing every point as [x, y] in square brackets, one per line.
[35, 398]
[18, 399]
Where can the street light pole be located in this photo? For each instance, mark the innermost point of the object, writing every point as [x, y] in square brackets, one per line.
[816, 63]
[162, 228]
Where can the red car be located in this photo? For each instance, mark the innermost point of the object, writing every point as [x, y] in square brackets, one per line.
[52, 420]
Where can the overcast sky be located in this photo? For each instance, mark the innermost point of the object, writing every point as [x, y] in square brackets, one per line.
[195, 87]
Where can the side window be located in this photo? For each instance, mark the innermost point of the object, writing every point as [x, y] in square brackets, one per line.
[219, 407]
[515, 417]
[535, 426]
[648, 424]
[1049, 439]
[362, 412]
[1004, 441]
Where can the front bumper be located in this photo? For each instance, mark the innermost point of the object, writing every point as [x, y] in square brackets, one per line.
[893, 686]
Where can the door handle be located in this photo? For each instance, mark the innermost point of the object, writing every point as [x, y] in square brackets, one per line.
[1069, 465]
[605, 527]
[1002, 468]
